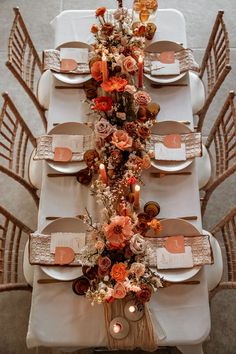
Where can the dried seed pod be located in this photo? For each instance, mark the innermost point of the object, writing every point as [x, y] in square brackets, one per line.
[152, 110]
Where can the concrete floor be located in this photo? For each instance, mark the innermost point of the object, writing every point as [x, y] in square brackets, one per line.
[199, 16]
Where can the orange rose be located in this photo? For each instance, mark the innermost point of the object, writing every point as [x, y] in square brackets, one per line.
[122, 140]
[100, 11]
[119, 291]
[96, 70]
[119, 272]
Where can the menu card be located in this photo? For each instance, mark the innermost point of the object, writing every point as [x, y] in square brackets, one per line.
[168, 260]
[171, 148]
[75, 241]
[159, 68]
[80, 55]
[72, 142]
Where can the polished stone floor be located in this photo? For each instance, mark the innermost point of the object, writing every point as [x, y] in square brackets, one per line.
[199, 16]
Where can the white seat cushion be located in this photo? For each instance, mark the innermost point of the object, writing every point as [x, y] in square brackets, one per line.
[28, 269]
[44, 89]
[35, 171]
[204, 168]
[214, 271]
[197, 92]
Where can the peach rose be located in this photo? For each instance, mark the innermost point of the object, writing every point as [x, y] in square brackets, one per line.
[138, 269]
[146, 162]
[129, 64]
[119, 291]
[96, 70]
[142, 98]
[119, 272]
[122, 140]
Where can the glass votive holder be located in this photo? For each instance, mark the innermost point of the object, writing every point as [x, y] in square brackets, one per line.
[119, 328]
[133, 312]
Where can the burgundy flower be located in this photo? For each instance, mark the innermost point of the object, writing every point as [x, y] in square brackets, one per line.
[144, 294]
[80, 286]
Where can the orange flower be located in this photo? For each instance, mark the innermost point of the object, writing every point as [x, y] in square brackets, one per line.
[94, 29]
[102, 103]
[96, 70]
[155, 225]
[114, 84]
[119, 291]
[100, 11]
[118, 231]
[119, 272]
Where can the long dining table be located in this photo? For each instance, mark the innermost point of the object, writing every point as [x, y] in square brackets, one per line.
[58, 317]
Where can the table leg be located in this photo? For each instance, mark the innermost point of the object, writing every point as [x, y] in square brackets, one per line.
[191, 349]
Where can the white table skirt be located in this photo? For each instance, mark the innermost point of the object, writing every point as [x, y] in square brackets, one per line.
[58, 317]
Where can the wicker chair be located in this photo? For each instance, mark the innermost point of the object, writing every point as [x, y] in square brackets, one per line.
[219, 153]
[214, 69]
[227, 229]
[17, 143]
[24, 62]
[14, 235]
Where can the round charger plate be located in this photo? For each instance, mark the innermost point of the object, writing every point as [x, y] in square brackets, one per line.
[70, 128]
[171, 227]
[73, 78]
[159, 47]
[165, 128]
[64, 225]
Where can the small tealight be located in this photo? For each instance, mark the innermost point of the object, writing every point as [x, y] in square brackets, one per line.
[133, 312]
[119, 328]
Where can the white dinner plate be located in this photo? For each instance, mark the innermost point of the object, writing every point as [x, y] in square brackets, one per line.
[70, 128]
[171, 227]
[165, 128]
[159, 47]
[73, 78]
[64, 225]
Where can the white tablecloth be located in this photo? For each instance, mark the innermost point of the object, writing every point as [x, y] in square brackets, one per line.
[58, 317]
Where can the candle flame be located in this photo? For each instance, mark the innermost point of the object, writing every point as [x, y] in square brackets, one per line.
[116, 328]
[104, 56]
[132, 309]
[140, 59]
[102, 166]
[137, 188]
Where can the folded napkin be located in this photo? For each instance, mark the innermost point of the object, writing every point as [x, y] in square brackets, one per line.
[173, 252]
[56, 249]
[50, 147]
[52, 60]
[176, 147]
[183, 61]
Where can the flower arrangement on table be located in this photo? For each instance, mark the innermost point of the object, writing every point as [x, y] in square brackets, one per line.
[115, 261]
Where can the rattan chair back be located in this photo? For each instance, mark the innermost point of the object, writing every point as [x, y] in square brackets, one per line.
[215, 64]
[221, 145]
[16, 143]
[13, 237]
[24, 62]
[226, 228]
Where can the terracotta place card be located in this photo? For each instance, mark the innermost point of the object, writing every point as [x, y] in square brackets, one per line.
[167, 57]
[62, 154]
[67, 239]
[175, 244]
[67, 65]
[173, 260]
[64, 255]
[172, 141]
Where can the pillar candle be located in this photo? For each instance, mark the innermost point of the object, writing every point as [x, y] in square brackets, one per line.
[140, 71]
[103, 173]
[104, 68]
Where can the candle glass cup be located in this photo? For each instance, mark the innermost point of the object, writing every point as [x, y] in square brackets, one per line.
[144, 10]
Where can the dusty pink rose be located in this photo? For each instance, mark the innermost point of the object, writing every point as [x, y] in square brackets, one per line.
[119, 291]
[118, 231]
[142, 98]
[138, 269]
[121, 115]
[130, 89]
[104, 263]
[138, 244]
[103, 128]
[99, 245]
[146, 162]
[122, 140]
[129, 64]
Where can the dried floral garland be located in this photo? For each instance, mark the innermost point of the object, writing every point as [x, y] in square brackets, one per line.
[115, 259]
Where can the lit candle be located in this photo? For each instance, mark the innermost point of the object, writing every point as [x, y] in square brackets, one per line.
[117, 327]
[136, 196]
[132, 308]
[103, 173]
[104, 68]
[140, 71]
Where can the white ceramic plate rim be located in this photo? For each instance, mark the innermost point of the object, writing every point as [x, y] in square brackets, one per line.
[73, 78]
[172, 165]
[68, 167]
[178, 275]
[162, 79]
[60, 272]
